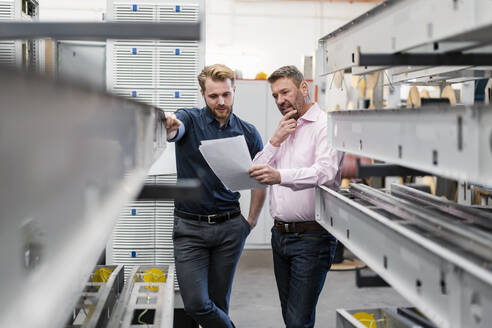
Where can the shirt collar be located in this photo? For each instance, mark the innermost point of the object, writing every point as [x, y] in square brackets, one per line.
[211, 118]
[312, 113]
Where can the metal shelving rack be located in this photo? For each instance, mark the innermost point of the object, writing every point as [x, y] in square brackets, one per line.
[162, 73]
[427, 43]
[72, 156]
[148, 302]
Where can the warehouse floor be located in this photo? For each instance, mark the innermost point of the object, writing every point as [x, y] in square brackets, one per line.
[255, 302]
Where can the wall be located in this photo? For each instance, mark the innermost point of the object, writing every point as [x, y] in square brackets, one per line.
[258, 36]
[251, 36]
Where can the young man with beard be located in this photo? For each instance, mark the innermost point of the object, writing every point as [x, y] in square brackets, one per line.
[295, 161]
[209, 234]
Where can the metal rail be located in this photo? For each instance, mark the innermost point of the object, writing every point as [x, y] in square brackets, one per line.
[452, 288]
[452, 142]
[395, 30]
[97, 302]
[99, 31]
[449, 228]
[148, 302]
[71, 157]
[470, 214]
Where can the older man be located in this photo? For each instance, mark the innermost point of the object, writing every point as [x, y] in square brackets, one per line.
[295, 161]
[209, 235]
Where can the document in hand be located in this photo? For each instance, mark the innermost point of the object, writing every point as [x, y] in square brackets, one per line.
[230, 160]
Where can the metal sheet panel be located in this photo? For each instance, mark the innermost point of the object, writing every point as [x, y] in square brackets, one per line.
[173, 99]
[136, 226]
[142, 95]
[177, 65]
[7, 10]
[125, 12]
[453, 142]
[401, 25]
[70, 159]
[7, 52]
[451, 289]
[73, 58]
[181, 12]
[133, 66]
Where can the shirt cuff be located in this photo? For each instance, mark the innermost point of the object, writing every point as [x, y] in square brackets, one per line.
[287, 177]
[179, 135]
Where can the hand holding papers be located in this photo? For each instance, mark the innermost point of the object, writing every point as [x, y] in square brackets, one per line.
[230, 160]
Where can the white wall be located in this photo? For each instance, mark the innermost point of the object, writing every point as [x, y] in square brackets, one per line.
[251, 36]
[255, 36]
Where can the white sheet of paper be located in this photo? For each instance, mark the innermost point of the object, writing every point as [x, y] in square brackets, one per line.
[230, 160]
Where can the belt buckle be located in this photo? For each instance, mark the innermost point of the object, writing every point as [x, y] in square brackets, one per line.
[209, 217]
[286, 227]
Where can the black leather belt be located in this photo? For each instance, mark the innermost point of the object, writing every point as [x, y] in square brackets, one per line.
[210, 219]
[298, 227]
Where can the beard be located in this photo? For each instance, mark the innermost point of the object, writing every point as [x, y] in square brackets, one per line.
[297, 106]
[220, 112]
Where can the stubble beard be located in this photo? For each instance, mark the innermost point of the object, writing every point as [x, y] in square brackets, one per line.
[219, 114]
[298, 105]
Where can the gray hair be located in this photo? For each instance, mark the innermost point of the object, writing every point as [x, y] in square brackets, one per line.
[291, 72]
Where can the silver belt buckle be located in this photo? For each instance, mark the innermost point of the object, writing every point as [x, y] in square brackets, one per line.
[209, 217]
[286, 227]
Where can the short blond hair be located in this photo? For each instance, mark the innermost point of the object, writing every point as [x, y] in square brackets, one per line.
[216, 72]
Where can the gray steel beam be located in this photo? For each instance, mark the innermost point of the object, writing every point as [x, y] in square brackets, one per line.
[468, 213]
[99, 31]
[414, 59]
[182, 190]
[452, 142]
[400, 26]
[450, 288]
[452, 229]
[139, 296]
[70, 158]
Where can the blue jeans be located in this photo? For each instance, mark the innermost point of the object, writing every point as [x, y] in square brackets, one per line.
[301, 262]
[206, 256]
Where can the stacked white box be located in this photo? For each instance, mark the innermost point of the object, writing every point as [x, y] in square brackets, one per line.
[164, 74]
[133, 239]
[21, 53]
[164, 222]
[159, 72]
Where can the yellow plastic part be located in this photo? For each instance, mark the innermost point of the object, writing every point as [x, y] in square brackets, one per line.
[261, 76]
[102, 275]
[154, 275]
[366, 319]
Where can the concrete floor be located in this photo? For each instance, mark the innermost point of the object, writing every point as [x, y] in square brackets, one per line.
[255, 302]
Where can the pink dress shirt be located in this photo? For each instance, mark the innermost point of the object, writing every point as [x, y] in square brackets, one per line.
[304, 161]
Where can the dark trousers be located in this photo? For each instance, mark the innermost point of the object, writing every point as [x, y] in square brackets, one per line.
[206, 256]
[301, 262]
